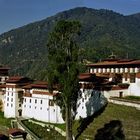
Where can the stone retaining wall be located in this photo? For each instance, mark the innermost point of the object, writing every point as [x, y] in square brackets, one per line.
[127, 103]
[63, 133]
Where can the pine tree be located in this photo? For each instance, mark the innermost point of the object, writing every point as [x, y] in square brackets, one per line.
[63, 67]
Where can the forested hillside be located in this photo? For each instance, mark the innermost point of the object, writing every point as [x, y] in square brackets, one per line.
[103, 32]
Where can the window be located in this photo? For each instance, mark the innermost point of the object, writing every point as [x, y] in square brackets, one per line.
[51, 103]
[24, 99]
[40, 108]
[35, 100]
[7, 104]
[82, 99]
[30, 100]
[35, 107]
[54, 110]
[12, 93]
[85, 97]
[11, 105]
[29, 106]
[19, 105]
[8, 99]
[11, 99]
[24, 106]
[120, 94]
[8, 93]
[41, 101]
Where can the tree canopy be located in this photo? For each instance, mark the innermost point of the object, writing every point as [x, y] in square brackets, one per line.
[63, 66]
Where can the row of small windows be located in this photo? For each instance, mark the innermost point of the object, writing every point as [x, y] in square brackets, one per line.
[8, 99]
[8, 104]
[51, 102]
[10, 88]
[10, 94]
[36, 107]
[35, 101]
[31, 101]
[12, 105]
[117, 70]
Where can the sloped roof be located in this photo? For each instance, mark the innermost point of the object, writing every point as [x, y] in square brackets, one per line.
[115, 62]
[18, 79]
[39, 85]
[4, 68]
[91, 77]
[16, 132]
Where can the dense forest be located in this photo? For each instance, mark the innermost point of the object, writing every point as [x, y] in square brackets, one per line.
[103, 32]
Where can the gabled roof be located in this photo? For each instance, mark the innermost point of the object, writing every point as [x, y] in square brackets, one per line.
[91, 77]
[86, 76]
[4, 68]
[39, 85]
[18, 79]
[115, 62]
[16, 132]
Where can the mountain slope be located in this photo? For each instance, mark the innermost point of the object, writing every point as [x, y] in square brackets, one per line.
[103, 31]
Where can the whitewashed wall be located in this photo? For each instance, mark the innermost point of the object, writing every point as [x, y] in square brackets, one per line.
[11, 105]
[115, 93]
[134, 88]
[90, 101]
[41, 111]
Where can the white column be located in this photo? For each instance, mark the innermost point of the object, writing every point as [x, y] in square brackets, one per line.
[104, 70]
[131, 70]
[91, 70]
[121, 70]
[136, 70]
[126, 70]
[99, 70]
[116, 70]
[95, 70]
[108, 70]
[112, 70]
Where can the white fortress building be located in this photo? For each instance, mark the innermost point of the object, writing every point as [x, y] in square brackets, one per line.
[23, 99]
[38, 103]
[111, 77]
[13, 97]
[122, 72]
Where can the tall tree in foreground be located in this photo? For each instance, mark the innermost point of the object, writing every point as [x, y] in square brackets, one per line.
[63, 66]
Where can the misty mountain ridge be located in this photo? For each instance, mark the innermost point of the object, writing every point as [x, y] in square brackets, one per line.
[103, 31]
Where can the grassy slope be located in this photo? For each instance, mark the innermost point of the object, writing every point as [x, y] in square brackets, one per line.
[127, 118]
[42, 132]
[4, 121]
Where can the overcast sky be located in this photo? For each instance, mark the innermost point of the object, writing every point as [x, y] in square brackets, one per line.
[16, 13]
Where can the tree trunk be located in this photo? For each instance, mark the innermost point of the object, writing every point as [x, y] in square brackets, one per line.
[68, 122]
